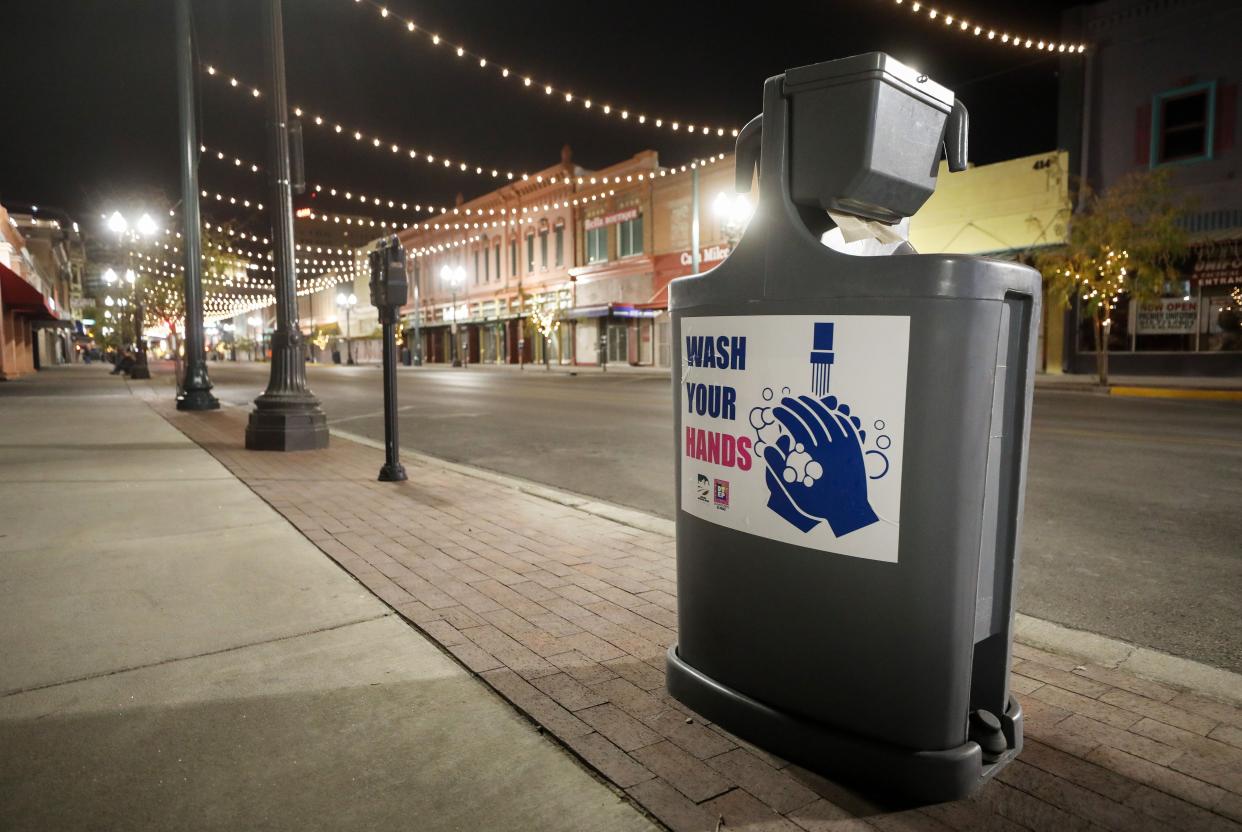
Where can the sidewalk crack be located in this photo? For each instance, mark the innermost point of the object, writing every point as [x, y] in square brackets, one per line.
[233, 648]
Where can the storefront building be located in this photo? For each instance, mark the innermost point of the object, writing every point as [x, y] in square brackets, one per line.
[33, 306]
[1196, 329]
[1011, 210]
[479, 269]
[610, 322]
[1158, 90]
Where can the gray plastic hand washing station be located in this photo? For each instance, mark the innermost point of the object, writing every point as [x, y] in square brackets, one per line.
[852, 436]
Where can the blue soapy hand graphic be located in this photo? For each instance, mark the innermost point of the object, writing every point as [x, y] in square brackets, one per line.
[816, 470]
[778, 497]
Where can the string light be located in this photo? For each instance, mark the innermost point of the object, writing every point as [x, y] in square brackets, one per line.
[978, 30]
[502, 73]
[580, 180]
[533, 212]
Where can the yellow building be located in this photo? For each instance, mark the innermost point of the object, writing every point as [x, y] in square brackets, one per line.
[1008, 209]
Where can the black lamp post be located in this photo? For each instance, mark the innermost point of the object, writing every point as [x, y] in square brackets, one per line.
[287, 416]
[196, 388]
[455, 276]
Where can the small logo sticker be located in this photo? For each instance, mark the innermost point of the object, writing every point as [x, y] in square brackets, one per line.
[705, 488]
[721, 496]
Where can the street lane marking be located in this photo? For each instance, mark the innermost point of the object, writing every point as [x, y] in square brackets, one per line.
[1175, 393]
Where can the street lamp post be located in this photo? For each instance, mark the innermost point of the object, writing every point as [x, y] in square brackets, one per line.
[145, 227]
[196, 387]
[140, 369]
[454, 276]
[418, 332]
[347, 302]
[256, 323]
[287, 416]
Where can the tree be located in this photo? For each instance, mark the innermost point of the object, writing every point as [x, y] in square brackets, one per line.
[1126, 240]
[546, 320]
[164, 297]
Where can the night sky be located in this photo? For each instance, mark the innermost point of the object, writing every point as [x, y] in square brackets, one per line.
[91, 115]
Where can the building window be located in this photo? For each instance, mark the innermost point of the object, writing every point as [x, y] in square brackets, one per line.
[487, 271]
[530, 253]
[1182, 124]
[476, 267]
[597, 244]
[513, 270]
[498, 261]
[560, 245]
[630, 237]
[543, 249]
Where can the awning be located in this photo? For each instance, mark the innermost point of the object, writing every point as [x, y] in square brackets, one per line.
[658, 301]
[615, 310]
[19, 295]
[577, 312]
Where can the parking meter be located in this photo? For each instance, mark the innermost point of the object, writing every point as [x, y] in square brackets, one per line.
[851, 438]
[390, 288]
[389, 292]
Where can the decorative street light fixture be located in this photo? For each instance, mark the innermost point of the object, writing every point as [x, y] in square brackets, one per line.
[347, 302]
[117, 224]
[146, 227]
[734, 213]
[455, 276]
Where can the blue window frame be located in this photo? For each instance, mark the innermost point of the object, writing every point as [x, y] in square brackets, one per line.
[1183, 124]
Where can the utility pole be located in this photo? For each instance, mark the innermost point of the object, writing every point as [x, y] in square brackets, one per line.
[196, 389]
[287, 416]
[694, 219]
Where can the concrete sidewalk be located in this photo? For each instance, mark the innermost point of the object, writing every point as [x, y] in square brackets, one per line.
[566, 612]
[175, 655]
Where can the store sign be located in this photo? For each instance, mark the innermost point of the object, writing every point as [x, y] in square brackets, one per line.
[711, 254]
[1218, 263]
[611, 219]
[680, 262]
[1167, 316]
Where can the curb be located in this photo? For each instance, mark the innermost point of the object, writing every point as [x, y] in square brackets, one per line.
[1202, 394]
[1135, 391]
[1214, 682]
[609, 511]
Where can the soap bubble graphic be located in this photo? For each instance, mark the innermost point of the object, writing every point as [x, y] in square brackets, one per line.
[800, 467]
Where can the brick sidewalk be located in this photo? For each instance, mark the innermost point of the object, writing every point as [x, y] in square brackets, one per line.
[567, 615]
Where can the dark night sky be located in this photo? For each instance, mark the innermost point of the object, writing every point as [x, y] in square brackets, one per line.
[90, 107]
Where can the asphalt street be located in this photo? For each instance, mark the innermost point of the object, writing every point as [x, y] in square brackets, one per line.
[1133, 524]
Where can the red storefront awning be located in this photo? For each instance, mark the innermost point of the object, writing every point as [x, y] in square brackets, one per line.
[17, 294]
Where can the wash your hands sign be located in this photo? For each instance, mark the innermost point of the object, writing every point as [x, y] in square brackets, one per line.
[793, 425]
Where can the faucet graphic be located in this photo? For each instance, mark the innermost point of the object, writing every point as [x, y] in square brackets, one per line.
[821, 358]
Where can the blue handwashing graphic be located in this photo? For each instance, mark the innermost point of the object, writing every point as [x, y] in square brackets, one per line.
[816, 467]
